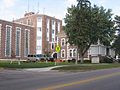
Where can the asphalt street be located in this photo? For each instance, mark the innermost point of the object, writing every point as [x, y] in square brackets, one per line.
[108, 79]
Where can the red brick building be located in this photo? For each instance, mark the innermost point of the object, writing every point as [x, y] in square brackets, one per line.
[39, 34]
[46, 30]
[32, 34]
[67, 52]
[16, 40]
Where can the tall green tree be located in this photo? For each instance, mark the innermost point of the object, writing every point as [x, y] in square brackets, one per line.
[116, 44]
[86, 24]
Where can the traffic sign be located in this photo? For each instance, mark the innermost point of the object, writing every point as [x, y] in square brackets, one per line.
[57, 48]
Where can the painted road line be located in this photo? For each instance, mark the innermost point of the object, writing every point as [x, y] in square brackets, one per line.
[80, 82]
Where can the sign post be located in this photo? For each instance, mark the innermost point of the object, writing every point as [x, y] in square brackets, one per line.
[57, 49]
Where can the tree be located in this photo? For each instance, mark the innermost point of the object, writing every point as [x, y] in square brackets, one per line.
[116, 44]
[86, 24]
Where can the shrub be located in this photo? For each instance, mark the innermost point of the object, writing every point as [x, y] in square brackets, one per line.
[73, 60]
[87, 61]
[106, 59]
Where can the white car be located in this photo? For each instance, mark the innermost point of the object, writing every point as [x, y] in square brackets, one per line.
[36, 57]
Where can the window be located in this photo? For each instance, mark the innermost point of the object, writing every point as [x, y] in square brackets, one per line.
[27, 42]
[58, 27]
[53, 22]
[63, 53]
[40, 29]
[47, 21]
[70, 53]
[53, 31]
[38, 48]
[38, 37]
[53, 39]
[63, 42]
[47, 30]
[29, 22]
[52, 46]
[18, 41]
[74, 52]
[8, 41]
[39, 19]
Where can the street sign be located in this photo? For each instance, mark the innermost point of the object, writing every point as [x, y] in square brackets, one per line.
[57, 48]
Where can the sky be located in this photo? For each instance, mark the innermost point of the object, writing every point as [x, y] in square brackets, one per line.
[14, 9]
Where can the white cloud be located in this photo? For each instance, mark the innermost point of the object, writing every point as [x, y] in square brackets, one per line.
[6, 8]
[70, 2]
[9, 3]
[102, 2]
[99, 2]
[116, 10]
[4, 14]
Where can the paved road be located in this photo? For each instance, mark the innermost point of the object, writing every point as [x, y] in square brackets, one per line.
[108, 79]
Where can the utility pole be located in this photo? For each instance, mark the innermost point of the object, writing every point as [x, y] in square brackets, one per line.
[38, 7]
[28, 5]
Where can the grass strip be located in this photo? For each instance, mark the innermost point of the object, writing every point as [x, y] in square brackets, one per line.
[86, 67]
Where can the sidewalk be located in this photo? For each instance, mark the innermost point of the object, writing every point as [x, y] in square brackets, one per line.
[42, 69]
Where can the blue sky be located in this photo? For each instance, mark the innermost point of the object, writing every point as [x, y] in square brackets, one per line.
[10, 9]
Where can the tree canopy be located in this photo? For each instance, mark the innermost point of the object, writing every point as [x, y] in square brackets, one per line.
[116, 44]
[85, 24]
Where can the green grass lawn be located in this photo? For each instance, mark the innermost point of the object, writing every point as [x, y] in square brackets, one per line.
[87, 67]
[6, 64]
[69, 67]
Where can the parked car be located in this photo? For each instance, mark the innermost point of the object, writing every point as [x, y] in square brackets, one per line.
[31, 58]
[36, 57]
[51, 59]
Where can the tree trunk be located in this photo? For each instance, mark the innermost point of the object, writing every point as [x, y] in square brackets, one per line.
[81, 57]
[76, 61]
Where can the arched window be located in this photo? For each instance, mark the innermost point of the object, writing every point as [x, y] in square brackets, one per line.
[63, 42]
[70, 53]
[74, 52]
[63, 53]
[52, 46]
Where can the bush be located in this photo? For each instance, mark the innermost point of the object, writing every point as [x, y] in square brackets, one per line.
[87, 61]
[118, 60]
[51, 59]
[106, 59]
[73, 60]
